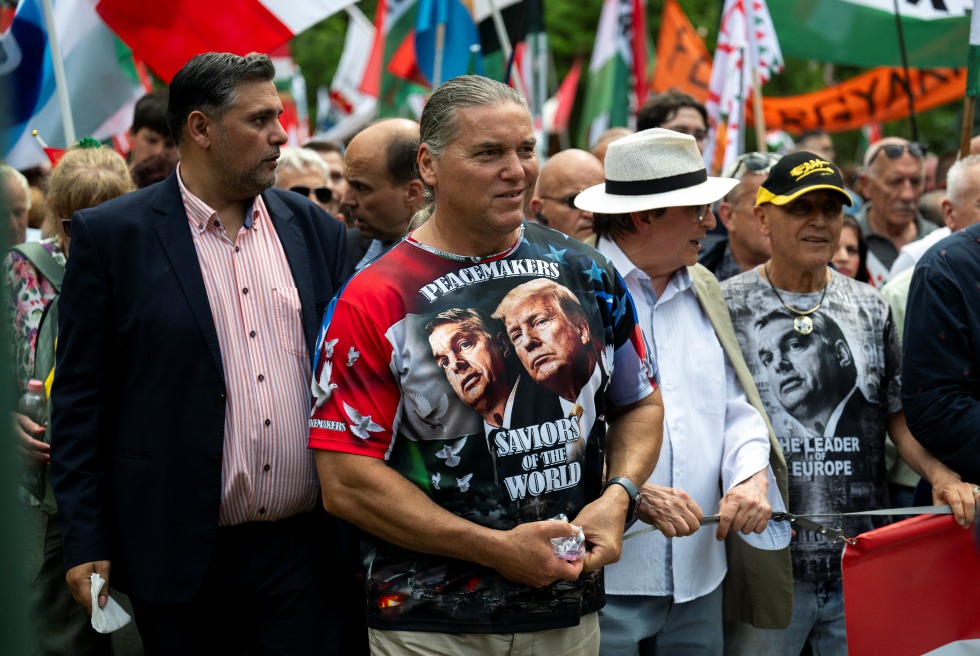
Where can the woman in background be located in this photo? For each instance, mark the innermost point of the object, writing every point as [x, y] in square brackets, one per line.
[852, 252]
[86, 176]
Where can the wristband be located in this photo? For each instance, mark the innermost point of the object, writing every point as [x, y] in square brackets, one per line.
[631, 491]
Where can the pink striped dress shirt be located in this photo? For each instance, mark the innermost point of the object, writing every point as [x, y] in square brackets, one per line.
[267, 472]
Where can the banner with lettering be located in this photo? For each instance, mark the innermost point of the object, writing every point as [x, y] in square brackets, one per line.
[879, 95]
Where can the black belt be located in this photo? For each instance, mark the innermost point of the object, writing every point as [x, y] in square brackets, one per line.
[807, 521]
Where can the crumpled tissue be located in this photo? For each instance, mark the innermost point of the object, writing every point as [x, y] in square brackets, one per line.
[110, 618]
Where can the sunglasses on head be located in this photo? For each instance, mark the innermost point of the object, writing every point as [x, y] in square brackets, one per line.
[753, 163]
[323, 194]
[568, 201]
[894, 151]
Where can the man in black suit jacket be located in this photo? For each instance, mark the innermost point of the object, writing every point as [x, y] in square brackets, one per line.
[144, 428]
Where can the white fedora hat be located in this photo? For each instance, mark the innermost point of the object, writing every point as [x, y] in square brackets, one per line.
[653, 169]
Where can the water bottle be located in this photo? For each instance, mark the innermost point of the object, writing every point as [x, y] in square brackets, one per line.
[34, 406]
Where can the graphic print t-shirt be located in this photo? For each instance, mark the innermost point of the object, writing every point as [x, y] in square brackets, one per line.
[414, 368]
[828, 395]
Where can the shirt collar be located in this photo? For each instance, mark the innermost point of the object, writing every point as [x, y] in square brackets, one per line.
[202, 216]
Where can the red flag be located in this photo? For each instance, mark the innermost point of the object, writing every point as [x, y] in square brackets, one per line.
[167, 34]
[566, 96]
[640, 56]
[911, 587]
[371, 84]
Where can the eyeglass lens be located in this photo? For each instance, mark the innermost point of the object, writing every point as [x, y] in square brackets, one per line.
[323, 194]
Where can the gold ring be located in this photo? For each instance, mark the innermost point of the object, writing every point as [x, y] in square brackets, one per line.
[976, 490]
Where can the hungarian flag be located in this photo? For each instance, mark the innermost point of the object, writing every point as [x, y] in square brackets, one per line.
[911, 588]
[167, 34]
[864, 32]
[558, 108]
[389, 75]
[608, 101]
[103, 84]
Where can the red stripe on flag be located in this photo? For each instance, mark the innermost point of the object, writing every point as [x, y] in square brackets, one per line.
[566, 96]
[371, 82]
[911, 587]
[166, 35]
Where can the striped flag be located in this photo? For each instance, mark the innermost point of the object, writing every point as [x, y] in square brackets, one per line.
[607, 100]
[863, 32]
[103, 84]
[747, 44]
[167, 34]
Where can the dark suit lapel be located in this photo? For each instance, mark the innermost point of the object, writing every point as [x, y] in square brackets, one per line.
[295, 247]
[171, 225]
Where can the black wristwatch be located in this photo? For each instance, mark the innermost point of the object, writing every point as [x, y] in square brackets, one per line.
[631, 491]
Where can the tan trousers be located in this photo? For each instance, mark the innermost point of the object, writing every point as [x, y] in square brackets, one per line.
[581, 640]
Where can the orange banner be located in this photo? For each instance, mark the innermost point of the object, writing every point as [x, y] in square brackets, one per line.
[879, 95]
[683, 61]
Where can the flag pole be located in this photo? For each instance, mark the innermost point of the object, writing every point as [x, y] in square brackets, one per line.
[972, 85]
[760, 119]
[61, 80]
[905, 71]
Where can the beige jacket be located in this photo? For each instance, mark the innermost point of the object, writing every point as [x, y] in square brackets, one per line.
[759, 584]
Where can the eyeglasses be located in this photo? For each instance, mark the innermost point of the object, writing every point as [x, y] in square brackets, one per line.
[66, 226]
[894, 151]
[700, 211]
[323, 194]
[753, 163]
[831, 207]
[568, 201]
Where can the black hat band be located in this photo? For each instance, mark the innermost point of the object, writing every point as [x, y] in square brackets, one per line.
[657, 186]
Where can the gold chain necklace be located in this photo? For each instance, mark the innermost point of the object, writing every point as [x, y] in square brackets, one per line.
[802, 323]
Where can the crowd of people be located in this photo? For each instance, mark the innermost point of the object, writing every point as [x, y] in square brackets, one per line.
[421, 394]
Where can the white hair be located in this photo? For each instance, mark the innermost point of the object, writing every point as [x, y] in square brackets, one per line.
[7, 171]
[301, 159]
[956, 184]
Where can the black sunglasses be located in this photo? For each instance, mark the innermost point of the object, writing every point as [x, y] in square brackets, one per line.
[323, 194]
[894, 151]
[568, 201]
[754, 163]
[66, 226]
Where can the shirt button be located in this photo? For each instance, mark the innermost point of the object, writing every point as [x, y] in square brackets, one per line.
[251, 333]
[266, 468]
[261, 511]
[268, 422]
[220, 399]
[244, 290]
[217, 223]
[261, 378]
[237, 249]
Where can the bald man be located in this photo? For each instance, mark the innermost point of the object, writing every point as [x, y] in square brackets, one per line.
[602, 143]
[384, 190]
[560, 181]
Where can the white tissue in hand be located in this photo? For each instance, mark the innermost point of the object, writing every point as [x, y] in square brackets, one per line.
[110, 618]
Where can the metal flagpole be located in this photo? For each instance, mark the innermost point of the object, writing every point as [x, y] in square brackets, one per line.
[61, 80]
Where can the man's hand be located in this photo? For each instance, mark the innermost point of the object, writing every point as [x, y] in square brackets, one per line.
[672, 511]
[947, 488]
[745, 507]
[603, 522]
[79, 580]
[32, 450]
[527, 555]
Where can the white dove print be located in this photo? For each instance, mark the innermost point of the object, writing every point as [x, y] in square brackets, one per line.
[352, 356]
[435, 480]
[322, 388]
[449, 452]
[464, 483]
[428, 414]
[361, 424]
[328, 347]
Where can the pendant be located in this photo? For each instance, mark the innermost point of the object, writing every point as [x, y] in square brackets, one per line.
[803, 325]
